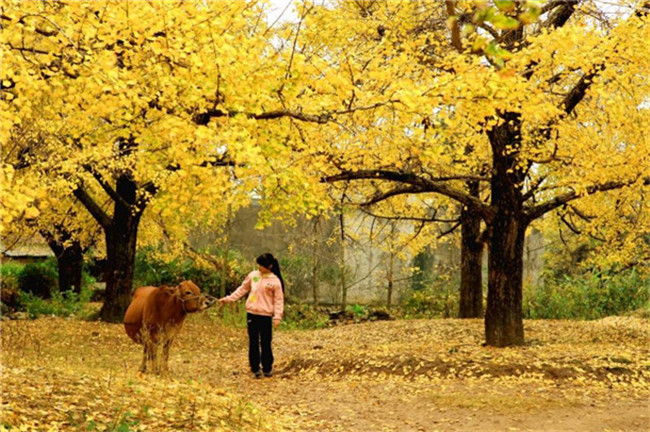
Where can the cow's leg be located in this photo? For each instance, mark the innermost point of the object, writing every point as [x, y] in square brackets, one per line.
[147, 356]
[143, 365]
[165, 355]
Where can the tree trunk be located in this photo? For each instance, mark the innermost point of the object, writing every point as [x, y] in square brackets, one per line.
[391, 277]
[69, 262]
[503, 316]
[121, 240]
[471, 268]
[315, 268]
[344, 288]
[225, 268]
[70, 265]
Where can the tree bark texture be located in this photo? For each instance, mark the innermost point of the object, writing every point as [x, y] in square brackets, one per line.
[471, 268]
[69, 262]
[121, 239]
[503, 315]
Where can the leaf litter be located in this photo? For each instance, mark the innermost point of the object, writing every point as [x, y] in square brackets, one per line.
[419, 375]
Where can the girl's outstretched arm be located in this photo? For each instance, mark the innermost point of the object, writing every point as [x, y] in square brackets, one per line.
[240, 292]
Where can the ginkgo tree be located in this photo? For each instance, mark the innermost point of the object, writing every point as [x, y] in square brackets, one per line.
[66, 227]
[542, 103]
[136, 98]
[363, 54]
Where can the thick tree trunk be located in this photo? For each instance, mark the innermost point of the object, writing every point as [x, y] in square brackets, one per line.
[70, 264]
[503, 316]
[121, 241]
[120, 260]
[471, 268]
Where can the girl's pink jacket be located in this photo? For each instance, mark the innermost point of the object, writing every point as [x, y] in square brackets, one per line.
[265, 297]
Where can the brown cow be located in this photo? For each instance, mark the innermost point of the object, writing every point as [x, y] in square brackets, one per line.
[156, 315]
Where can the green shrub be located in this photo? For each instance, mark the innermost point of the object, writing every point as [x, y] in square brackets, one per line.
[64, 304]
[39, 279]
[9, 294]
[438, 299]
[150, 270]
[33, 288]
[303, 316]
[233, 314]
[591, 295]
[9, 272]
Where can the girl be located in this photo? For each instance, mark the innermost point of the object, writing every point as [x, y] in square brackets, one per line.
[264, 308]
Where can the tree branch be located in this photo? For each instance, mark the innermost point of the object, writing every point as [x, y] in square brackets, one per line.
[455, 30]
[407, 218]
[404, 190]
[450, 230]
[112, 193]
[577, 93]
[535, 212]
[421, 184]
[204, 117]
[93, 208]
[561, 11]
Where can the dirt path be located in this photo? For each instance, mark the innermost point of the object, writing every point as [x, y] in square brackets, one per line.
[402, 376]
[336, 396]
[367, 405]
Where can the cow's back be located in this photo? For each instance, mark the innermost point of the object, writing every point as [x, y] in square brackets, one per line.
[134, 316]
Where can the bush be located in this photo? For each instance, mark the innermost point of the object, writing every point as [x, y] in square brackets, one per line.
[151, 270]
[33, 288]
[302, 316]
[39, 279]
[61, 304]
[439, 299]
[591, 295]
[9, 294]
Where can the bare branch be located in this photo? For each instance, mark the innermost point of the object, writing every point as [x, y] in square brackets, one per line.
[450, 230]
[560, 10]
[407, 218]
[404, 190]
[455, 30]
[107, 187]
[539, 210]
[204, 117]
[422, 184]
[93, 208]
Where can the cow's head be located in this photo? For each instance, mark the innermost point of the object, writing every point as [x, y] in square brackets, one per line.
[192, 298]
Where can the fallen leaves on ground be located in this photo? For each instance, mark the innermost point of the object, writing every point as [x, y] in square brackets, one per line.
[62, 374]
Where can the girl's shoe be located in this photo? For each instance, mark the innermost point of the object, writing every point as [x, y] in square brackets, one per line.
[257, 374]
[268, 374]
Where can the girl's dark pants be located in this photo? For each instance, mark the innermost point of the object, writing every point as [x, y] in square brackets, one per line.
[260, 333]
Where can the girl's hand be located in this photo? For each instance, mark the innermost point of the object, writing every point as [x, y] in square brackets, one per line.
[223, 301]
[276, 324]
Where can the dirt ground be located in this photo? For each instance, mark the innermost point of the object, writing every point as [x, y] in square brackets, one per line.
[569, 378]
[403, 376]
[369, 407]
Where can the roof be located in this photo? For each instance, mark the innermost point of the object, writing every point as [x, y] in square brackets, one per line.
[28, 250]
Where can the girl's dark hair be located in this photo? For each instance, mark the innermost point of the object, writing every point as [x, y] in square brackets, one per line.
[270, 262]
